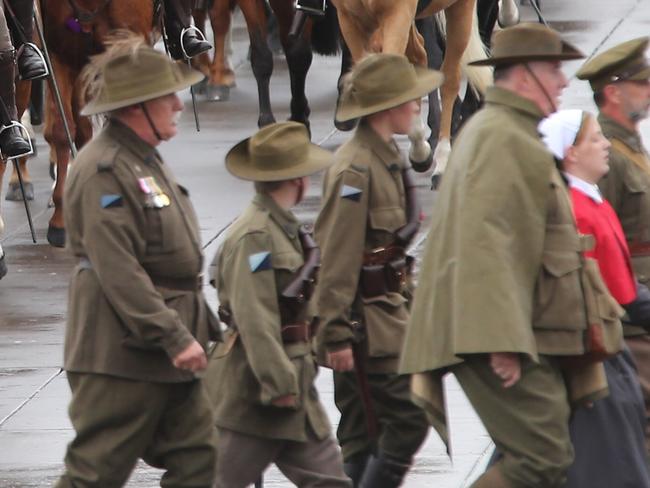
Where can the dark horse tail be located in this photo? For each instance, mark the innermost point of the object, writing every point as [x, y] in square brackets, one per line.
[325, 33]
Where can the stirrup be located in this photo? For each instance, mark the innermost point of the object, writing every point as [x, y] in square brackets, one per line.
[25, 135]
[39, 53]
[308, 9]
[199, 35]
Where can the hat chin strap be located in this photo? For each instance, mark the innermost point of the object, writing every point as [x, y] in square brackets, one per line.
[301, 191]
[150, 120]
[541, 87]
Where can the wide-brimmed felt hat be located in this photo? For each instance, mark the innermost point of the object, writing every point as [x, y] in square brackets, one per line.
[527, 42]
[383, 81]
[280, 151]
[624, 62]
[138, 76]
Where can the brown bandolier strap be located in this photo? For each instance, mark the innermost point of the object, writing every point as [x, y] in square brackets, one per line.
[383, 255]
[182, 284]
[638, 249]
[637, 158]
[292, 333]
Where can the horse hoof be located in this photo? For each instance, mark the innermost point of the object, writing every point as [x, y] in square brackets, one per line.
[56, 236]
[435, 181]
[422, 166]
[217, 93]
[265, 120]
[346, 126]
[15, 195]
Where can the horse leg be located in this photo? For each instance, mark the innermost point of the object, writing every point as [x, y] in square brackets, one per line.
[429, 30]
[346, 66]
[221, 77]
[352, 33]
[397, 28]
[261, 56]
[55, 135]
[508, 13]
[3, 261]
[299, 57]
[459, 26]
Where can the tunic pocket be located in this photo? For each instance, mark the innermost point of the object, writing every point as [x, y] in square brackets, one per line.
[385, 318]
[558, 301]
[164, 230]
[388, 219]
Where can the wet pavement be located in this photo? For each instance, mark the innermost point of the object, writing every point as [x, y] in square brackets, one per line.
[34, 427]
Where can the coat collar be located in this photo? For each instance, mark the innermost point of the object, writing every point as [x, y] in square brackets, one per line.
[585, 187]
[284, 218]
[612, 129]
[387, 152]
[500, 96]
[132, 142]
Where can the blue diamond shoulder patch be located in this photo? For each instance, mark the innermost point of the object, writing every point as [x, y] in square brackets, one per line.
[111, 201]
[351, 193]
[259, 261]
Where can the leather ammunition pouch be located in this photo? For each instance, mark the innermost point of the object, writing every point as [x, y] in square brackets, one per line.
[384, 271]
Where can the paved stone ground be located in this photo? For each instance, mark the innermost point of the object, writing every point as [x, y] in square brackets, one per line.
[34, 426]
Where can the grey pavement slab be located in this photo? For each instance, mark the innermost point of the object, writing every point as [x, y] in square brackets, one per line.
[34, 426]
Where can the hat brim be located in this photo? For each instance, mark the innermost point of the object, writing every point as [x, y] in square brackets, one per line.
[644, 74]
[239, 164]
[427, 81]
[189, 78]
[568, 53]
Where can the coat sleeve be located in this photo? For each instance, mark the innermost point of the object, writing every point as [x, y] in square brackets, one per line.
[341, 234]
[113, 244]
[254, 306]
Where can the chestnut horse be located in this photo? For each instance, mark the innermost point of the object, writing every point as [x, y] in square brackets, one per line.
[320, 36]
[389, 26]
[74, 30]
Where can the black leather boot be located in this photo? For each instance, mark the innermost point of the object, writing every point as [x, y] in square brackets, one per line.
[177, 18]
[12, 142]
[31, 65]
[383, 472]
[355, 466]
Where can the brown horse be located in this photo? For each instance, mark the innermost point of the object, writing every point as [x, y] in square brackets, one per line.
[388, 26]
[320, 36]
[74, 30]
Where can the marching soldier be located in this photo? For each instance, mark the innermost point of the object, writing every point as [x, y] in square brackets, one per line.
[506, 300]
[369, 216]
[262, 379]
[137, 319]
[182, 38]
[620, 80]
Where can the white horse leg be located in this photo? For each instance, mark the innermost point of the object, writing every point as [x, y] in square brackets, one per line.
[420, 153]
[440, 156]
[508, 13]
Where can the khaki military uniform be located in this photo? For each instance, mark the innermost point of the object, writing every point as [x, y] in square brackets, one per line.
[627, 188]
[501, 273]
[364, 204]
[135, 303]
[258, 361]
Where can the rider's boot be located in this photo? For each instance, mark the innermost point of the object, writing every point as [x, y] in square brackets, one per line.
[12, 142]
[31, 64]
[177, 19]
[311, 7]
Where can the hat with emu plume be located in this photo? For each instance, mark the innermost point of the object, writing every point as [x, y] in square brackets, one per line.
[129, 72]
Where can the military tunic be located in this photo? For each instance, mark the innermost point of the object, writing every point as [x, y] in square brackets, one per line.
[627, 188]
[501, 273]
[364, 204]
[254, 366]
[135, 302]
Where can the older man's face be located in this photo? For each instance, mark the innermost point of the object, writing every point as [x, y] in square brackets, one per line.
[551, 84]
[634, 98]
[165, 112]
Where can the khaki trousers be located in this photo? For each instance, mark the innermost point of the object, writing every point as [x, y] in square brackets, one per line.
[243, 458]
[528, 422]
[403, 426]
[118, 421]
[640, 348]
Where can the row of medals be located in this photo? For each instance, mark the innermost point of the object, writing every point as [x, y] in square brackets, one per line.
[156, 198]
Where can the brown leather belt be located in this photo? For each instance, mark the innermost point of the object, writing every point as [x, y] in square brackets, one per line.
[292, 333]
[639, 249]
[182, 284]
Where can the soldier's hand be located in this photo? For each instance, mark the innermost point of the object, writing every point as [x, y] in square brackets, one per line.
[192, 358]
[341, 360]
[506, 365]
[286, 401]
